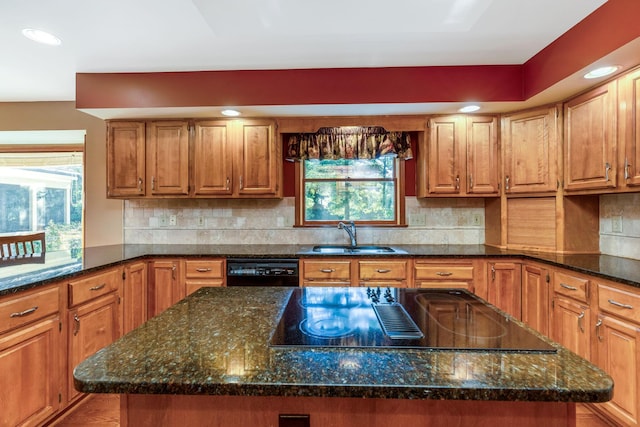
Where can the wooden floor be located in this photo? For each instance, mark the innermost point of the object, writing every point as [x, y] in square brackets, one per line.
[98, 410]
[103, 410]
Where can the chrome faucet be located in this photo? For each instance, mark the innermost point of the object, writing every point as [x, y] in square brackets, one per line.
[351, 231]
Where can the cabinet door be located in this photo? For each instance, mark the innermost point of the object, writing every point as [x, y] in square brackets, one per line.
[258, 159]
[570, 325]
[134, 296]
[530, 151]
[618, 355]
[535, 298]
[165, 286]
[213, 159]
[446, 135]
[482, 155]
[504, 289]
[629, 119]
[590, 135]
[125, 159]
[30, 373]
[92, 326]
[168, 152]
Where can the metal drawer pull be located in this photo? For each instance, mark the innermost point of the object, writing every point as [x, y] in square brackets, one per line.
[97, 288]
[383, 271]
[327, 270]
[203, 270]
[139, 184]
[444, 273]
[598, 324]
[571, 288]
[24, 313]
[619, 304]
[580, 322]
[76, 327]
[607, 168]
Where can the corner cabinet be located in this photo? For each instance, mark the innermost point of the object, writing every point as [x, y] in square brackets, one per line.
[530, 144]
[461, 157]
[590, 139]
[238, 158]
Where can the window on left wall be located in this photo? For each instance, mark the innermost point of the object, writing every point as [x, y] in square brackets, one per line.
[42, 188]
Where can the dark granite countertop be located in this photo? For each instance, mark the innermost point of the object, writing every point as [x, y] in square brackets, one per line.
[60, 266]
[215, 342]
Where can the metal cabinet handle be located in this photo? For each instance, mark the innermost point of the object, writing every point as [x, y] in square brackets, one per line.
[173, 272]
[457, 182]
[241, 183]
[97, 288]
[506, 182]
[140, 184]
[619, 304]
[327, 270]
[627, 174]
[598, 324]
[470, 180]
[444, 273]
[607, 168]
[493, 272]
[153, 182]
[580, 325]
[203, 270]
[571, 288]
[228, 182]
[380, 270]
[24, 313]
[76, 327]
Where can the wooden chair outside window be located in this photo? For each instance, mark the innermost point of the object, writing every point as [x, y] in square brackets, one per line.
[22, 248]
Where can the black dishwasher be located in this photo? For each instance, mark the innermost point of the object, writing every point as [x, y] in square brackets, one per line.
[262, 272]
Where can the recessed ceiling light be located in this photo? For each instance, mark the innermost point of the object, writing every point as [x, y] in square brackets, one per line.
[41, 36]
[230, 113]
[601, 72]
[469, 109]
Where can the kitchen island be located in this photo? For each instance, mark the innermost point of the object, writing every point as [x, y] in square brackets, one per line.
[208, 361]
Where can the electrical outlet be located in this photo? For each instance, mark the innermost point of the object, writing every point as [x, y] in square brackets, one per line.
[418, 219]
[163, 221]
[476, 220]
[616, 224]
[173, 220]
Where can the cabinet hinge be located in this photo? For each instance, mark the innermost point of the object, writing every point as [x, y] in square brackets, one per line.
[553, 303]
[59, 397]
[119, 299]
[548, 278]
[124, 275]
[59, 326]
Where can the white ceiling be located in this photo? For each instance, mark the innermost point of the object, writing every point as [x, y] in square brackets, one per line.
[190, 35]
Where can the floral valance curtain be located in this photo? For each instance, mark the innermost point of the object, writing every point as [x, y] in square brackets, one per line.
[349, 143]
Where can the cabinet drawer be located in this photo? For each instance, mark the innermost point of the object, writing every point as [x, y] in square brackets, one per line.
[326, 270]
[571, 286]
[443, 271]
[91, 287]
[625, 304]
[204, 269]
[383, 270]
[16, 311]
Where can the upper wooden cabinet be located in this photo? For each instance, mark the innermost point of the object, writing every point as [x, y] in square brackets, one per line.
[629, 129]
[168, 158]
[590, 139]
[461, 157]
[126, 159]
[221, 158]
[530, 144]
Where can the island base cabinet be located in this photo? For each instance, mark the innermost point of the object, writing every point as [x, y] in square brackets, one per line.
[29, 374]
[140, 410]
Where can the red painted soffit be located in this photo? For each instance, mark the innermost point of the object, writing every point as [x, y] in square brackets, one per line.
[605, 30]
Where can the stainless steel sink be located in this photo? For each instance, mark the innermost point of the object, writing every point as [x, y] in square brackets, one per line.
[355, 250]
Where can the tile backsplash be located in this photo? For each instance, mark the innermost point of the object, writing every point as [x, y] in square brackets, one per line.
[217, 221]
[620, 225]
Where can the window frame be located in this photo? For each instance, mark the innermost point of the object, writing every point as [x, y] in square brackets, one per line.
[399, 181]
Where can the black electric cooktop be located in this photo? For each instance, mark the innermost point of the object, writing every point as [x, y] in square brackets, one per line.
[444, 319]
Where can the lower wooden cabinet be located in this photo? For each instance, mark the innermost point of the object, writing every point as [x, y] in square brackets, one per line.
[91, 326]
[570, 322]
[535, 297]
[444, 274]
[203, 272]
[384, 273]
[355, 271]
[30, 373]
[166, 285]
[325, 272]
[504, 287]
[134, 296]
